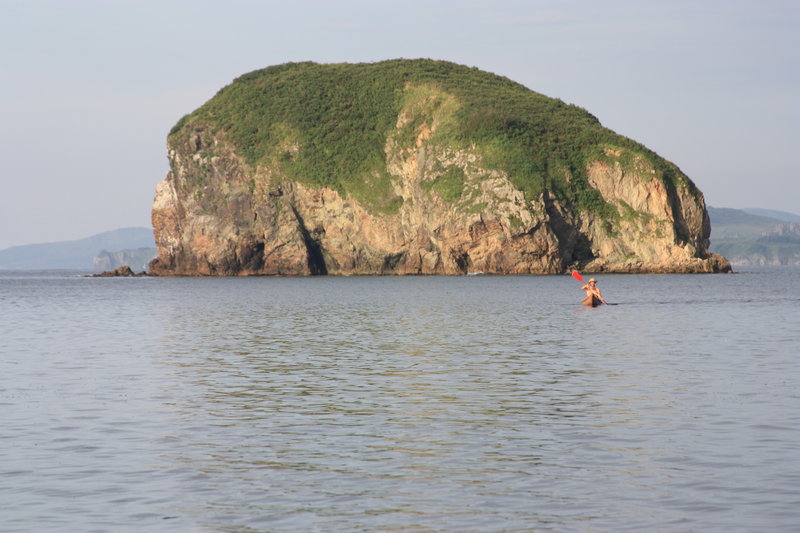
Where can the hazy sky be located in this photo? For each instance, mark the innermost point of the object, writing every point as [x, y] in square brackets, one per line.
[89, 89]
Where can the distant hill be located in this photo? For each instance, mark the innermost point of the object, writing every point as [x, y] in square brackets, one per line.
[748, 237]
[78, 255]
[737, 223]
[780, 215]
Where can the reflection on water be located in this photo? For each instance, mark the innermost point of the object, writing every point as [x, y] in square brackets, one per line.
[400, 404]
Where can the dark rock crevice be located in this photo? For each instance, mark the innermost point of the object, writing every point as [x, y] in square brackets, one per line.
[316, 260]
[461, 260]
[391, 261]
[681, 228]
[250, 257]
[575, 246]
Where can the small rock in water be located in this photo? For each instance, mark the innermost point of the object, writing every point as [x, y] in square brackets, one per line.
[123, 271]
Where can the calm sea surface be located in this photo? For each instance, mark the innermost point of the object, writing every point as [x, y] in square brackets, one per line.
[424, 404]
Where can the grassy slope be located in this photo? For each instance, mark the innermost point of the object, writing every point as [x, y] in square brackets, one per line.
[327, 124]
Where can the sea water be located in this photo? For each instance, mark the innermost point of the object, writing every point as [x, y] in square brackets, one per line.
[426, 404]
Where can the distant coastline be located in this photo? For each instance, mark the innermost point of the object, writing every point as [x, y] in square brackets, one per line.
[755, 236]
[81, 254]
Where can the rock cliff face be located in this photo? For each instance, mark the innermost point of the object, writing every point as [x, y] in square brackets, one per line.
[422, 198]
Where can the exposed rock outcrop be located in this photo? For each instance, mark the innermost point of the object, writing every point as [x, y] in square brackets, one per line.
[120, 272]
[432, 207]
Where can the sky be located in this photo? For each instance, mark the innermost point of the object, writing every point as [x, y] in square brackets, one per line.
[89, 89]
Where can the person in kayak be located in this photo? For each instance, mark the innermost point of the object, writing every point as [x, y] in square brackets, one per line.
[593, 294]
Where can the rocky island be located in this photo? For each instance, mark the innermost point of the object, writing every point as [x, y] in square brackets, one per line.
[415, 167]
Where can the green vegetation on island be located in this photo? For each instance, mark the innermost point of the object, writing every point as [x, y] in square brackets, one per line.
[328, 125]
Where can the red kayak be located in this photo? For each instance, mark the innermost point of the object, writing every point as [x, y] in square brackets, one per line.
[591, 301]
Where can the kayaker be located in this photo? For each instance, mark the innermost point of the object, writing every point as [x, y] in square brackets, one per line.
[593, 295]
